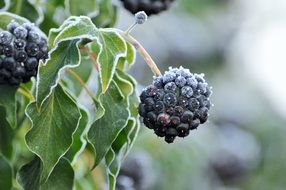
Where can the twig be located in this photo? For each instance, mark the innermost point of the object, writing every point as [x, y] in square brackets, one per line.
[91, 55]
[148, 59]
[80, 80]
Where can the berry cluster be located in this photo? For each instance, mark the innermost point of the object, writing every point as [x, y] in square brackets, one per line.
[148, 6]
[21, 48]
[175, 103]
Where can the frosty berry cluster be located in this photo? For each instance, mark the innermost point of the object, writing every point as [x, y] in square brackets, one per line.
[175, 103]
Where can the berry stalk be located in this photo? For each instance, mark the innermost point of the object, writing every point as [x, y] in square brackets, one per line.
[141, 50]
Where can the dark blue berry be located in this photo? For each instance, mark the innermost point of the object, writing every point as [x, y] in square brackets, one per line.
[19, 71]
[183, 130]
[20, 32]
[149, 104]
[9, 63]
[202, 87]
[175, 120]
[180, 81]
[151, 90]
[171, 134]
[151, 117]
[178, 111]
[159, 95]
[183, 101]
[187, 117]
[170, 99]
[34, 37]
[8, 50]
[5, 73]
[31, 63]
[203, 114]
[169, 77]
[143, 96]
[159, 107]
[158, 82]
[141, 110]
[32, 49]
[1, 50]
[21, 56]
[163, 119]
[19, 43]
[192, 82]
[12, 26]
[160, 131]
[193, 104]
[187, 91]
[5, 37]
[170, 86]
[195, 123]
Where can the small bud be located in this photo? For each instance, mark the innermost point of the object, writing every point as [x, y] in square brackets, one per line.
[140, 17]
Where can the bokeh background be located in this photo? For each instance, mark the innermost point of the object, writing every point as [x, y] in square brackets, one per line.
[240, 45]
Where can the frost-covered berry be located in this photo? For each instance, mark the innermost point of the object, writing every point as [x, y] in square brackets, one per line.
[19, 43]
[12, 25]
[5, 37]
[187, 91]
[32, 49]
[20, 56]
[192, 82]
[179, 100]
[34, 37]
[170, 86]
[170, 99]
[169, 77]
[180, 81]
[20, 32]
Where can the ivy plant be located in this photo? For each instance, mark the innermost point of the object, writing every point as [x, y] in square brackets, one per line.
[68, 107]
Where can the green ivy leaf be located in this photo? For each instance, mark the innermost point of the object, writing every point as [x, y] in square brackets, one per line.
[25, 9]
[79, 140]
[112, 47]
[29, 175]
[61, 178]
[65, 54]
[105, 130]
[107, 14]
[129, 58]
[6, 174]
[6, 135]
[6, 18]
[7, 100]
[52, 128]
[76, 7]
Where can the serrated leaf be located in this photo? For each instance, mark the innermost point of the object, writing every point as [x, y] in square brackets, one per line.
[52, 126]
[76, 7]
[79, 140]
[4, 5]
[105, 130]
[6, 18]
[6, 135]
[7, 100]
[5, 174]
[112, 47]
[61, 178]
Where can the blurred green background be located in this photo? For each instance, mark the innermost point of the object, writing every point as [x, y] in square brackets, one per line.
[240, 46]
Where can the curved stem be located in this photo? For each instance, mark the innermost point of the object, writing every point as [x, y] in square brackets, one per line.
[91, 55]
[25, 93]
[148, 59]
[82, 83]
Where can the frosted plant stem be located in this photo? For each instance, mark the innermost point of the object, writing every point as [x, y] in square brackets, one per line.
[146, 56]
